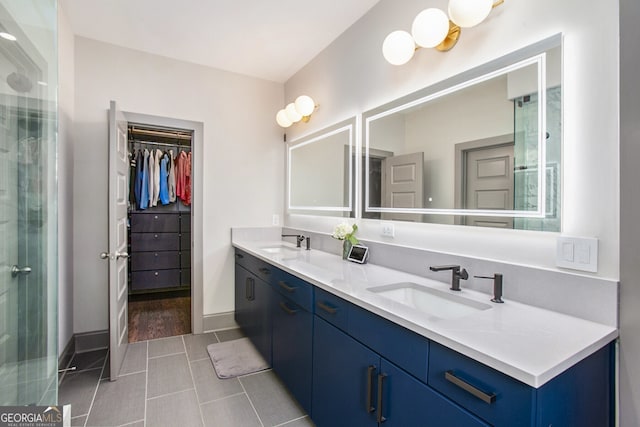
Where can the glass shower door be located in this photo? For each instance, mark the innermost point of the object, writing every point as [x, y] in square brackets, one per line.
[28, 230]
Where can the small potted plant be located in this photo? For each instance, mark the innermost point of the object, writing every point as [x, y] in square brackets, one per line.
[346, 233]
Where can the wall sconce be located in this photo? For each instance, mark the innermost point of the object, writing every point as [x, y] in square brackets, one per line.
[432, 28]
[296, 111]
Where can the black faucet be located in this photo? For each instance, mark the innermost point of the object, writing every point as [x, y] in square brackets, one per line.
[299, 239]
[497, 286]
[456, 274]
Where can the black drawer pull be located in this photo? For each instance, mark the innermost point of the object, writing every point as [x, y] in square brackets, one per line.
[327, 308]
[239, 256]
[264, 270]
[381, 378]
[249, 289]
[370, 371]
[286, 309]
[286, 287]
[485, 397]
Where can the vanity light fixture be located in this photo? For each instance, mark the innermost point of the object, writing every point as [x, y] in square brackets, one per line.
[432, 28]
[300, 110]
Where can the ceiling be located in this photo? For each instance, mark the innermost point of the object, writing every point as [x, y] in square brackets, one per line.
[271, 40]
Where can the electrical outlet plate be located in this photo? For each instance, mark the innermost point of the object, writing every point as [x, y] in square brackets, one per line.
[577, 253]
[387, 229]
[275, 219]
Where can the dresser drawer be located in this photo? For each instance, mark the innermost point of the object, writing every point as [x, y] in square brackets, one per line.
[141, 280]
[295, 289]
[146, 242]
[185, 277]
[331, 308]
[491, 395]
[155, 223]
[155, 260]
[185, 223]
[185, 241]
[185, 259]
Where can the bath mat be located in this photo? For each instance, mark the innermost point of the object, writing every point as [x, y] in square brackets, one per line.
[234, 358]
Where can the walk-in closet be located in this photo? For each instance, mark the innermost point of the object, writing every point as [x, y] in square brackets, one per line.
[159, 232]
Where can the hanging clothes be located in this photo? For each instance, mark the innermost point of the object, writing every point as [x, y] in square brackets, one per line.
[137, 189]
[172, 178]
[144, 178]
[183, 177]
[156, 177]
[187, 195]
[150, 177]
[132, 178]
[164, 179]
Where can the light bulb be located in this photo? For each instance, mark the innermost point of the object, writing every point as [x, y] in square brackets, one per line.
[282, 119]
[305, 105]
[292, 113]
[430, 27]
[469, 13]
[398, 47]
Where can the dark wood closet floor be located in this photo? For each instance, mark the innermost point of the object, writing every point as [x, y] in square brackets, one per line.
[159, 315]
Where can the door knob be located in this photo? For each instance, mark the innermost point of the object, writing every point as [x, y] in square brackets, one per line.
[15, 270]
[122, 255]
[105, 255]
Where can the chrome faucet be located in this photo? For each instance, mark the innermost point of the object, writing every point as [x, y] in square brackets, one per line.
[299, 239]
[456, 274]
[497, 286]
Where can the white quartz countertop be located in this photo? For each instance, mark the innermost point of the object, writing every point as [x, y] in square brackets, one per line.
[528, 343]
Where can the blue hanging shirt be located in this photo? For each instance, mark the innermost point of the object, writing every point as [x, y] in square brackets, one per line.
[164, 179]
[144, 190]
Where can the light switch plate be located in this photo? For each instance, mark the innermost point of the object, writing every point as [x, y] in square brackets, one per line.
[275, 220]
[577, 253]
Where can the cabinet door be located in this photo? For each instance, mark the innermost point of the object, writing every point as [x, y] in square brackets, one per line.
[292, 335]
[405, 401]
[243, 289]
[344, 373]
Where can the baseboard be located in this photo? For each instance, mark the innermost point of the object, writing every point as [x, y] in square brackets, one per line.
[88, 341]
[215, 322]
[67, 354]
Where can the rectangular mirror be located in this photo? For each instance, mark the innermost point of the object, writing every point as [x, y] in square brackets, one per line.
[321, 170]
[467, 150]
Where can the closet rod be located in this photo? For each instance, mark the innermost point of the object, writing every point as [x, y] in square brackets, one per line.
[165, 134]
[163, 144]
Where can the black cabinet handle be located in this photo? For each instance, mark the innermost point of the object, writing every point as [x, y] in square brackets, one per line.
[286, 287]
[264, 270]
[485, 397]
[250, 289]
[327, 308]
[381, 378]
[286, 309]
[370, 371]
[239, 256]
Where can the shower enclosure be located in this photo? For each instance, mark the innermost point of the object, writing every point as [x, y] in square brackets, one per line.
[28, 222]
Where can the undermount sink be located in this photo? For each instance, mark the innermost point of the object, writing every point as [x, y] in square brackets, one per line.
[430, 301]
[280, 249]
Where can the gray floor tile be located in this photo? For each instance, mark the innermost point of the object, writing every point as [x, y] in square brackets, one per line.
[209, 386]
[89, 360]
[77, 389]
[271, 399]
[136, 358]
[301, 422]
[168, 374]
[197, 345]
[179, 409]
[119, 402]
[78, 421]
[229, 334]
[231, 411]
[164, 346]
[136, 424]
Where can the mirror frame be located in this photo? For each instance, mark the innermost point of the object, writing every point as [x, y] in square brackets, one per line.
[351, 126]
[532, 54]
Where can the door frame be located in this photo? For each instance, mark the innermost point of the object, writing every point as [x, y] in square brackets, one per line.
[460, 159]
[197, 145]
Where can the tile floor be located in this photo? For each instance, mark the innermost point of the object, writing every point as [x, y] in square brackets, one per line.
[171, 382]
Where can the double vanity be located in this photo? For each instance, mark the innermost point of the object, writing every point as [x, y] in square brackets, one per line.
[363, 345]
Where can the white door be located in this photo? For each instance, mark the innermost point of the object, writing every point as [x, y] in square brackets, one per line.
[403, 185]
[117, 255]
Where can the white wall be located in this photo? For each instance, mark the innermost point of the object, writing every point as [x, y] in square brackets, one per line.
[351, 76]
[66, 104]
[243, 159]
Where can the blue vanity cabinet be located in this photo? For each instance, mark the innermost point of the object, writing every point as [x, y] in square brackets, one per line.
[292, 347]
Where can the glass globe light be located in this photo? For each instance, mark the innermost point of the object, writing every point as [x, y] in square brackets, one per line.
[469, 13]
[282, 119]
[305, 105]
[292, 113]
[398, 47]
[430, 27]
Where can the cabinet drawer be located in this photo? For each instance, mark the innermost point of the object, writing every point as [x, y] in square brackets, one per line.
[297, 290]
[185, 223]
[185, 259]
[256, 266]
[390, 341]
[146, 242]
[185, 277]
[155, 260]
[331, 308]
[154, 223]
[185, 241]
[491, 395]
[158, 279]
